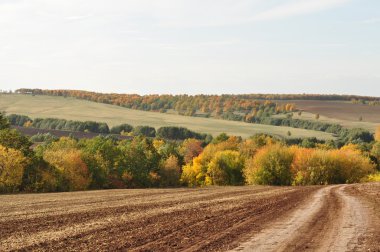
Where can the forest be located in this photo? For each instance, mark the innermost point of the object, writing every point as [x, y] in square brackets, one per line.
[69, 164]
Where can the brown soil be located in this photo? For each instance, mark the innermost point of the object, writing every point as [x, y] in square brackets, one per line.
[336, 218]
[341, 110]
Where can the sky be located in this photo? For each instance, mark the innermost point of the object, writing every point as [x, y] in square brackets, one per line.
[192, 46]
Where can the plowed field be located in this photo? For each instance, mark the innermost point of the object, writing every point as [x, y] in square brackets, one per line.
[335, 218]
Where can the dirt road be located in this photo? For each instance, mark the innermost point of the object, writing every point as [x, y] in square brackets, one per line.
[331, 220]
[335, 218]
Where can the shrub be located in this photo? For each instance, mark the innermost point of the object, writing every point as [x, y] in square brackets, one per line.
[226, 168]
[270, 166]
[322, 167]
[372, 178]
[314, 167]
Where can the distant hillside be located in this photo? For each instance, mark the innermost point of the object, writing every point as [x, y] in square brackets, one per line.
[347, 110]
[75, 109]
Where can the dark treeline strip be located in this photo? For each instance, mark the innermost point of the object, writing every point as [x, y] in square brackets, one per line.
[69, 125]
[38, 134]
[180, 133]
[171, 133]
[298, 123]
[58, 124]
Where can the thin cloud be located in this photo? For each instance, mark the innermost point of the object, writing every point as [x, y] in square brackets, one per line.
[297, 8]
[76, 18]
[370, 20]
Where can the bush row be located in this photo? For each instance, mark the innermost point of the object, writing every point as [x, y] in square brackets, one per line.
[173, 133]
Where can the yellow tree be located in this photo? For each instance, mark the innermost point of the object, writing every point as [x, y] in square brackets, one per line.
[71, 166]
[377, 134]
[12, 164]
[225, 168]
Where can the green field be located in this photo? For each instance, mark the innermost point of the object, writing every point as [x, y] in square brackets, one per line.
[74, 109]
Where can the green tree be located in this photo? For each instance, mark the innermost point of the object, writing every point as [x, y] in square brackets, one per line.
[4, 123]
[101, 156]
[144, 131]
[138, 163]
[11, 138]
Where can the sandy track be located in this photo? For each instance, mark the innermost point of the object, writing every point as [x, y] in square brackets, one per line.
[336, 218]
[332, 220]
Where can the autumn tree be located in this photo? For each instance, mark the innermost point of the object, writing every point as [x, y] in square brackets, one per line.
[170, 172]
[270, 166]
[225, 169]
[190, 148]
[12, 164]
[250, 146]
[377, 134]
[320, 167]
[67, 159]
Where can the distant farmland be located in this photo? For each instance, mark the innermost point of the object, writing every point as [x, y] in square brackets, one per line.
[74, 109]
[341, 112]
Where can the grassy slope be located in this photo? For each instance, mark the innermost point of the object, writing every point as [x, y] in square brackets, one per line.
[70, 108]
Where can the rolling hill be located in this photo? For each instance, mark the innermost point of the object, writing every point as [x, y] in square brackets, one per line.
[74, 109]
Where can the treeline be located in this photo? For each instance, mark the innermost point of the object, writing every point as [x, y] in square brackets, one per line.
[263, 160]
[219, 106]
[172, 133]
[298, 123]
[108, 97]
[58, 124]
[366, 102]
[68, 164]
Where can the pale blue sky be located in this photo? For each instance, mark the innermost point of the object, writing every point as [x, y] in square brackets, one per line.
[192, 46]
